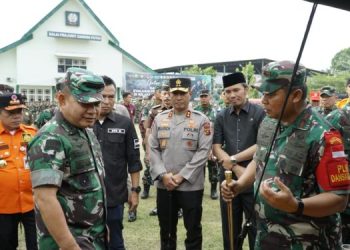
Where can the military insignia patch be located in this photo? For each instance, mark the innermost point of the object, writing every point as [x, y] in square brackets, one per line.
[333, 171]
[191, 124]
[3, 163]
[26, 137]
[4, 146]
[136, 144]
[206, 127]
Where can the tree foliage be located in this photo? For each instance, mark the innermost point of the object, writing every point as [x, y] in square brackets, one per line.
[248, 72]
[341, 61]
[196, 70]
[337, 76]
[338, 81]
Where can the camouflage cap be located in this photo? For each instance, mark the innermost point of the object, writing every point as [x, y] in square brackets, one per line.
[165, 87]
[158, 86]
[204, 92]
[276, 75]
[85, 86]
[327, 91]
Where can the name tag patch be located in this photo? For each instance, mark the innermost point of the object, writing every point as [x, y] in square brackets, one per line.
[136, 143]
[339, 174]
[116, 131]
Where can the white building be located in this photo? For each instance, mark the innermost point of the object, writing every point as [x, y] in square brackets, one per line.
[70, 35]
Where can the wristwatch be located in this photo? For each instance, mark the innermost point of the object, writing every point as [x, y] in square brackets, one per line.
[300, 209]
[233, 160]
[136, 189]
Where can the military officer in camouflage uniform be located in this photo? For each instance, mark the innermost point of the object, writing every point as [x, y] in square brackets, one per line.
[180, 142]
[328, 100]
[147, 179]
[67, 169]
[306, 179]
[206, 108]
[340, 119]
[46, 115]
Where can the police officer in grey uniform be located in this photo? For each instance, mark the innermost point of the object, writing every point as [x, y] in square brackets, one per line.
[180, 142]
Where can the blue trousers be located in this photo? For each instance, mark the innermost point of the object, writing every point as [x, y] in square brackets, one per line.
[115, 225]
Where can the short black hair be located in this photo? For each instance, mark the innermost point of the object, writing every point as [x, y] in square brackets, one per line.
[302, 87]
[108, 81]
[125, 94]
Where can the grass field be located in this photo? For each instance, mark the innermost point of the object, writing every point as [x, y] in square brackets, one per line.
[143, 234]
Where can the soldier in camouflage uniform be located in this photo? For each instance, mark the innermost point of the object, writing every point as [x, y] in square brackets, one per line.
[340, 119]
[306, 182]
[46, 115]
[146, 179]
[138, 106]
[328, 100]
[155, 110]
[206, 108]
[67, 169]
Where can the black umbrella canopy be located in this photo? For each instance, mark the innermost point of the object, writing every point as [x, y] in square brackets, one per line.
[340, 4]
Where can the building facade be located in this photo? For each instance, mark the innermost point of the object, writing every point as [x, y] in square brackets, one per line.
[71, 35]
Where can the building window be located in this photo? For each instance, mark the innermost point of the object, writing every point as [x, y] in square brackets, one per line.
[66, 63]
[37, 93]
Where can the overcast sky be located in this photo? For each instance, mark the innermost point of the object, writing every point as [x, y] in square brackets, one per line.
[165, 33]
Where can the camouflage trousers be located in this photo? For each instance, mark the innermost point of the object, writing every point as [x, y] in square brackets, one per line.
[147, 179]
[213, 172]
[345, 227]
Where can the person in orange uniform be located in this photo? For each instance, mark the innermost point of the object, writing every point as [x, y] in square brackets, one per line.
[341, 104]
[16, 197]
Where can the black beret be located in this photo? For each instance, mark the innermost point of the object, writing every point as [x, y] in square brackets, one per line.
[233, 79]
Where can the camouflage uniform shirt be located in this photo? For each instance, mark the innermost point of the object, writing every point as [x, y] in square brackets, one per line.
[70, 159]
[208, 111]
[44, 116]
[324, 111]
[340, 119]
[296, 157]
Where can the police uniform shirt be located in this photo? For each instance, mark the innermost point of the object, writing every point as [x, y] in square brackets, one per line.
[238, 132]
[180, 145]
[120, 151]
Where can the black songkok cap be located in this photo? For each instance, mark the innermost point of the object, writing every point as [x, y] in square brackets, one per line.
[233, 79]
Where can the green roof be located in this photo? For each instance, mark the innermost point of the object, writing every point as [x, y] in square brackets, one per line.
[114, 42]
